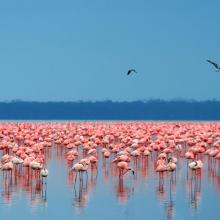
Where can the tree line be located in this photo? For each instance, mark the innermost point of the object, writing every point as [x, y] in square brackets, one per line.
[109, 110]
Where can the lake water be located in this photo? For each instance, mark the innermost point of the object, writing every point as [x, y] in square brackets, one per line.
[180, 195]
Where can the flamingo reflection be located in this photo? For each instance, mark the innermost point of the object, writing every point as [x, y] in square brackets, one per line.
[82, 191]
[161, 188]
[122, 191]
[170, 204]
[194, 189]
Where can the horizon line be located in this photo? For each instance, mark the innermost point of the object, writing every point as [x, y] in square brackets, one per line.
[108, 100]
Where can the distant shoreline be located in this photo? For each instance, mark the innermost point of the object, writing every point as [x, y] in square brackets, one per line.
[153, 110]
[103, 121]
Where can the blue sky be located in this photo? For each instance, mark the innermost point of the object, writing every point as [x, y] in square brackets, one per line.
[73, 50]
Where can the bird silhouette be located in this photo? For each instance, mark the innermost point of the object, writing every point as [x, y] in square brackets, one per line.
[130, 71]
[217, 67]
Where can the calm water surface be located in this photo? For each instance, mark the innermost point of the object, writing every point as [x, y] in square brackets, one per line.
[101, 195]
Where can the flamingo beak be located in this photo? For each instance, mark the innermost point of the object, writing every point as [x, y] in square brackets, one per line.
[133, 172]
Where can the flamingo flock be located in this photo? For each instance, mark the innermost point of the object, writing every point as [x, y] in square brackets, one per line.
[24, 146]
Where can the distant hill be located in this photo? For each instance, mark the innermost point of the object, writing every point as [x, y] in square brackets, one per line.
[108, 110]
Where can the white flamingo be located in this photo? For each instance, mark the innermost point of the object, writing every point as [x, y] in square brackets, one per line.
[198, 164]
[44, 172]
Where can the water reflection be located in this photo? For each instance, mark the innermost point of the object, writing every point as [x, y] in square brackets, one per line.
[29, 181]
[122, 191]
[81, 195]
[106, 170]
[83, 186]
[194, 189]
[170, 204]
[24, 180]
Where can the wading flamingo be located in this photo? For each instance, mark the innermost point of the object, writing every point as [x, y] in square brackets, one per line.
[124, 168]
[198, 164]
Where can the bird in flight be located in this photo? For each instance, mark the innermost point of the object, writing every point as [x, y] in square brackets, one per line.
[130, 71]
[217, 67]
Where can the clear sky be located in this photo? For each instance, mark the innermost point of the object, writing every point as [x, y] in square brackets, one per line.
[69, 50]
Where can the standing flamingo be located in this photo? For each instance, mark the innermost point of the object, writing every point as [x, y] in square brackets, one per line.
[80, 168]
[124, 168]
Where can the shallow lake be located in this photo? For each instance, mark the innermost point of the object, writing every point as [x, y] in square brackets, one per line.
[179, 195]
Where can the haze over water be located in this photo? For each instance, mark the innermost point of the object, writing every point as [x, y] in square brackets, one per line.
[183, 194]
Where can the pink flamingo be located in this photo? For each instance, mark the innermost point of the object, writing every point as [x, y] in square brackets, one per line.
[124, 168]
[80, 168]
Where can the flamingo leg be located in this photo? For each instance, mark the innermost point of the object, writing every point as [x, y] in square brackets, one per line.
[75, 179]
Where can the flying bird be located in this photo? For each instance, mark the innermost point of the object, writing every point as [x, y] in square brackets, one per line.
[217, 67]
[130, 71]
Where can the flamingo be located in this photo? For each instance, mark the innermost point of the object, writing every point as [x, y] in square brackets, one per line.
[92, 152]
[79, 168]
[16, 160]
[7, 166]
[171, 166]
[36, 165]
[189, 155]
[124, 168]
[122, 158]
[44, 172]
[198, 164]
[161, 166]
[106, 154]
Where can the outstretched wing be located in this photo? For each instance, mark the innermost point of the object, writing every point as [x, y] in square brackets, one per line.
[215, 64]
[131, 70]
[134, 70]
